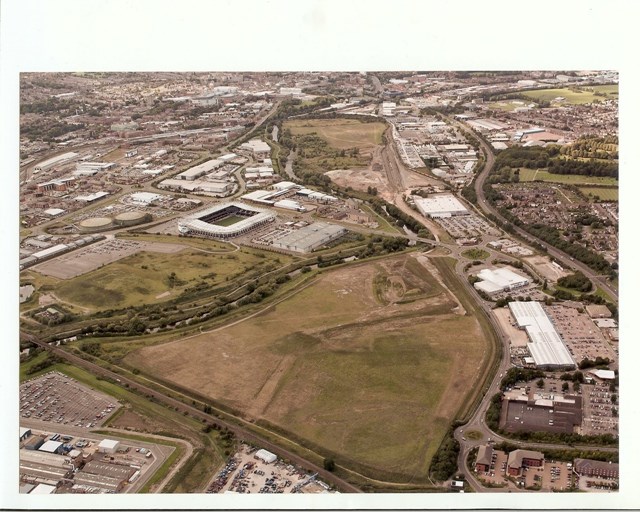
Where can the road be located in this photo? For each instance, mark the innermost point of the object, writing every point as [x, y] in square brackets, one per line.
[564, 259]
[476, 423]
[239, 432]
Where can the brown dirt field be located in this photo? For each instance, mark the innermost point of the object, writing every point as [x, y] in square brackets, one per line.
[377, 382]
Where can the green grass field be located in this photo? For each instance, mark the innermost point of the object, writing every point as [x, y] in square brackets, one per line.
[229, 221]
[605, 194]
[143, 278]
[476, 254]
[572, 97]
[571, 179]
[367, 373]
[340, 133]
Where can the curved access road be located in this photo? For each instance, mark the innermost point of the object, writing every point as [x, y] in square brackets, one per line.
[486, 207]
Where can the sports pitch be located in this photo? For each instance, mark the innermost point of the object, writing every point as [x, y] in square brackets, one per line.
[228, 221]
[361, 365]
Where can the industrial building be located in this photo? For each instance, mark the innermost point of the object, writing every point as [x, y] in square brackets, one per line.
[499, 280]
[108, 446]
[548, 412]
[519, 459]
[203, 222]
[289, 204]
[145, 198]
[56, 160]
[94, 166]
[265, 456]
[51, 447]
[91, 198]
[310, 237]
[545, 345]
[290, 91]
[438, 206]
[24, 433]
[200, 170]
[257, 148]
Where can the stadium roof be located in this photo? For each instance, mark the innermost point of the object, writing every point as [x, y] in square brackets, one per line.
[545, 345]
[194, 222]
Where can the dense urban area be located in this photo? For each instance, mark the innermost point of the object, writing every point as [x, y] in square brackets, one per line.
[307, 282]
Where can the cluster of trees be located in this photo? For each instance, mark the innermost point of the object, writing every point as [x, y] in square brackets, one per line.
[379, 245]
[445, 461]
[534, 157]
[514, 375]
[49, 361]
[576, 376]
[504, 175]
[564, 453]
[50, 105]
[173, 280]
[493, 412]
[593, 147]
[401, 218]
[49, 131]
[583, 167]
[577, 281]
[590, 363]
[565, 438]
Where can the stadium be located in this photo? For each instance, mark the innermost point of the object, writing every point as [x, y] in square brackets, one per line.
[225, 220]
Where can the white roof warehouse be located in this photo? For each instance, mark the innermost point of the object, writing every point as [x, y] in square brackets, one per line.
[545, 344]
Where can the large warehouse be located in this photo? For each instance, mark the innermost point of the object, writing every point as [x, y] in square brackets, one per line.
[310, 237]
[545, 344]
[499, 280]
[445, 205]
[56, 160]
[225, 220]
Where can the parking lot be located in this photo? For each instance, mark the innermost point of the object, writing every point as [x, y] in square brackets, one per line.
[85, 260]
[56, 398]
[552, 476]
[598, 410]
[466, 226]
[582, 337]
[244, 473]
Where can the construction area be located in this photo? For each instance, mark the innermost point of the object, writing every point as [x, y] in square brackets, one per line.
[252, 470]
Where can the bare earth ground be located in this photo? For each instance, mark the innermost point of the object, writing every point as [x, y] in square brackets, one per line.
[543, 265]
[375, 377]
[517, 337]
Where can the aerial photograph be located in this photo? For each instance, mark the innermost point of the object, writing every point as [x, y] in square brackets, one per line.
[318, 282]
